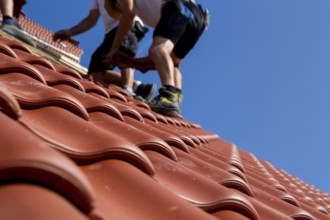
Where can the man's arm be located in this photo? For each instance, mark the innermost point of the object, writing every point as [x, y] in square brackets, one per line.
[126, 22]
[83, 26]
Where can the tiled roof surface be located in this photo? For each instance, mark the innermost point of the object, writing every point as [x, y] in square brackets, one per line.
[71, 149]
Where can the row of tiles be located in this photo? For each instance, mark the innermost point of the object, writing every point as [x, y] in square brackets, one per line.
[118, 148]
[43, 36]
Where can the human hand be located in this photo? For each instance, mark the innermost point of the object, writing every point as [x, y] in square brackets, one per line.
[62, 35]
[108, 58]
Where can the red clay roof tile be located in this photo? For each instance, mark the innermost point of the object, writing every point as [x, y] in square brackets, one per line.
[93, 152]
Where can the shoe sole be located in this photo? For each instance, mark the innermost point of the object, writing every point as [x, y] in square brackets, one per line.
[171, 113]
[18, 34]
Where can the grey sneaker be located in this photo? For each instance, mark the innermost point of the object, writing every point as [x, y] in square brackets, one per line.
[166, 103]
[146, 91]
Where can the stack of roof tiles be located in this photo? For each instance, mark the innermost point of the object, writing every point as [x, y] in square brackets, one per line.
[44, 38]
[72, 149]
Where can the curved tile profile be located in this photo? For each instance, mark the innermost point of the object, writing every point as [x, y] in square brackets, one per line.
[11, 65]
[170, 139]
[116, 96]
[190, 186]
[32, 94]
[218, 163]
[272, 191]
[227, 151]
[15, 44]
[281, 206]
[124, 192]
[143, 140]
[67, 71]
[81, 140]
[91, 103]
[4, 49]
[8, 103]
[185, 137]
[123, 109]
[91, 87]
[212, 172]
[54, 78]
[24, 157]
[32, 59]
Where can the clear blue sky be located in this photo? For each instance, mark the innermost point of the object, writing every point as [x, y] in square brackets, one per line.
[259, 76]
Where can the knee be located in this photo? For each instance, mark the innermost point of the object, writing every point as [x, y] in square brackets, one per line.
[156, 53]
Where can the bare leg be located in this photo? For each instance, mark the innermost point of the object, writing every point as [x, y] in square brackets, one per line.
[109, 77]
[127, 77]
[177, 72]
[159, 53]
[7, 7]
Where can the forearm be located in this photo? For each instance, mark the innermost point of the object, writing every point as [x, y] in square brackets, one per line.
[125, 24]
[82, 27]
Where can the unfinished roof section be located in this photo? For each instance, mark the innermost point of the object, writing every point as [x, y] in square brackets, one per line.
[92, 152]
[40, 41]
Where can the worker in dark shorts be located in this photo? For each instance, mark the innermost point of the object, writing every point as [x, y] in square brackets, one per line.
[101, 72]
[178, 26]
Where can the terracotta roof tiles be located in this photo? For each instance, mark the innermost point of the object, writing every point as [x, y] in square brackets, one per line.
[93, 152]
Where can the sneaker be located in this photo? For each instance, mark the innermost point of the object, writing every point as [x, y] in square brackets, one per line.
[11, 27]
[180, 99]
[146, 91]
[131, 93]
[166, 103]
[10, 22]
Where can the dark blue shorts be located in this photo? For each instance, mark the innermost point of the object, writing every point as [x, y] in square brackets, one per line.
[182, 22]
[129, 47]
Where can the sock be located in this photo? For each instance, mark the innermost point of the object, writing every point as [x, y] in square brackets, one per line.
[178, 90]
[6, 17]
[170, 88]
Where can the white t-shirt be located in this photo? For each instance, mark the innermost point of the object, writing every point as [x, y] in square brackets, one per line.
[149, 11]
[108, 22]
